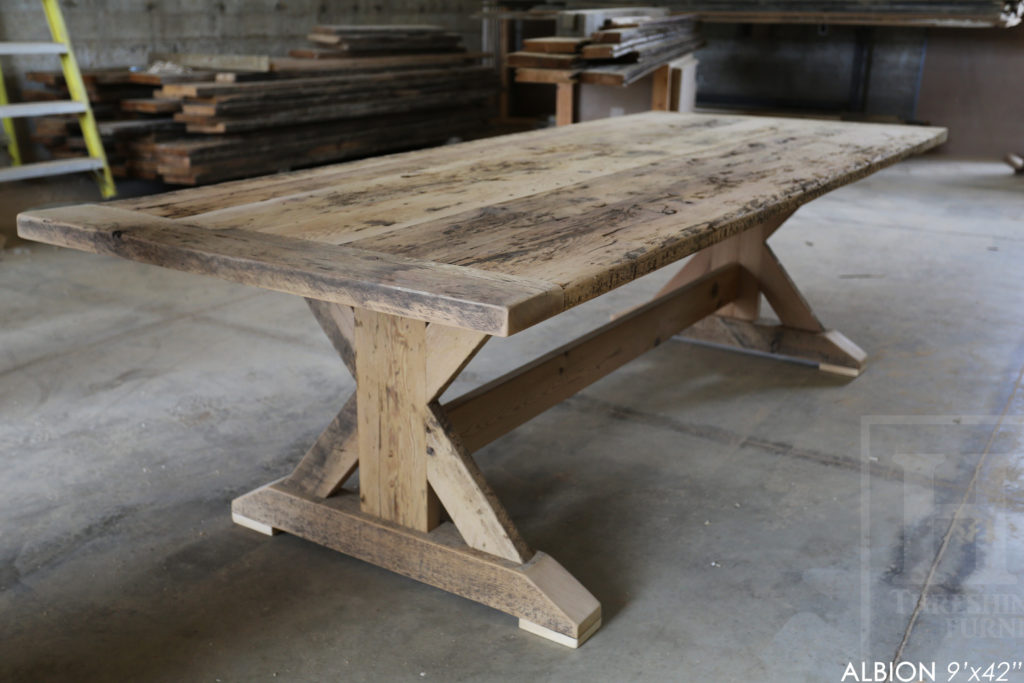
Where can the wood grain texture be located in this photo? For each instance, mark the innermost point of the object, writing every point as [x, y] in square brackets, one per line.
[338, 323]
[391, 390]
[449, 350]
[475, 510]
[565, 104]
[332, 459]
[539, 591]
[422, 290]
[575, 212]
[497, 407]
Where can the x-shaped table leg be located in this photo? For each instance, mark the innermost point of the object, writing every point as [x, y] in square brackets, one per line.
[800, 334]
[412, 466]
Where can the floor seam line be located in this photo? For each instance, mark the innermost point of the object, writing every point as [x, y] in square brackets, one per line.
[923, 597]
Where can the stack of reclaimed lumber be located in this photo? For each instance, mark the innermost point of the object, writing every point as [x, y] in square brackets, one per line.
[252, 127]
[623, 51]
[362, 90]
[250, 105]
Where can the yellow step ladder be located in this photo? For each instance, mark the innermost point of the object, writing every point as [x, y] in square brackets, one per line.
[96, 162]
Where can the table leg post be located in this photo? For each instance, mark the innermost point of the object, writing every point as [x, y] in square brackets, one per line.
[399, 437]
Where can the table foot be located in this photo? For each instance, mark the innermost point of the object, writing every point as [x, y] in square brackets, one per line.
[248, 523]
[557, 637]
[539, 592]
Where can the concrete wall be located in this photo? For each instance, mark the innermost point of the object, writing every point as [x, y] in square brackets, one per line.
[124, 32]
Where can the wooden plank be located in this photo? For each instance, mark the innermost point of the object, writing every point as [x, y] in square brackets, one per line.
[151, 106]
[475, 510]
[294, 149]
[285, 64]
[338, 323]
[391, 392]
[449, 350]
[663, 186]
[432, 188]
[539, 591]
[525, 75]
[158, 79]
[450, 295]
[419, 179]
[638, 45]
[554, 44]
[565, 104]
[661, 88]
[542, 60]
[624, 74]
[334, 111]
[497, 407]
[289, 87]
[605, 216]
[782, 294]
[332, 459]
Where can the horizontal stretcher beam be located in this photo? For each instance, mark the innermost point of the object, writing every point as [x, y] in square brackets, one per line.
[494, 409]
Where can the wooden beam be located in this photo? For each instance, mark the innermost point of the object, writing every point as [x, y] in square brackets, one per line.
[332, 459]
[539, 592]
[565, 104]
[458, 296]
[745, 249]
[475, 510]
[449, 350]
[782, 294]
[391, 378]
[338, 323]
[496, 408]
[661, 88]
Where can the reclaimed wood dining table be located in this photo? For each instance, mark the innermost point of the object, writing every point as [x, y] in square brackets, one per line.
[411, 262]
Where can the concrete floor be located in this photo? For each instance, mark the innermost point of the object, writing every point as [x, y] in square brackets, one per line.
[739, 518]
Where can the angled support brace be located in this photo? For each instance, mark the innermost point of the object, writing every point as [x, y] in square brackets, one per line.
[800, 335]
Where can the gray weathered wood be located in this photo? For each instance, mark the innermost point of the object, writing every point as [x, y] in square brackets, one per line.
[461, 297]
[539, 591]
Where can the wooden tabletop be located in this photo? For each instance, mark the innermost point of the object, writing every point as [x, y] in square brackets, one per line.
[498, 234]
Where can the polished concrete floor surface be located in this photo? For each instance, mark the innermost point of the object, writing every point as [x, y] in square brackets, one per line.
[739, 518]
